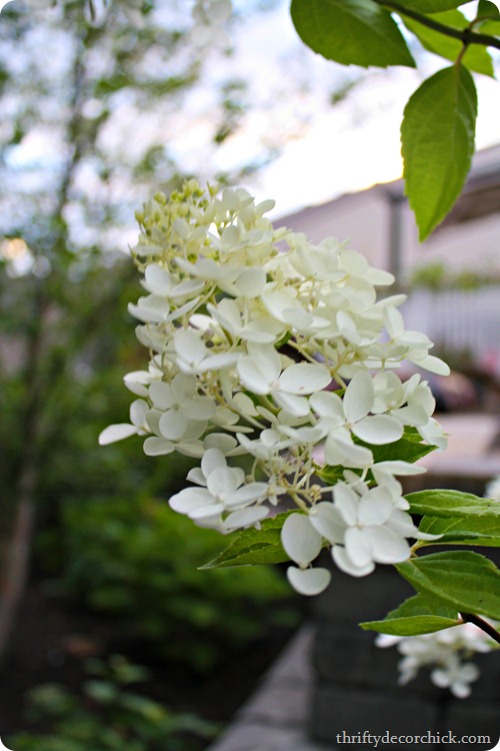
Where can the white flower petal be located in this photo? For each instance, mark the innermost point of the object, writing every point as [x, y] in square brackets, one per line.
[198, 408]
[347, 502]
[346, 453]
[189, 346]
[154, 446]
[359, 397]
[250, 282]
[358, 547]
[302, 543]
[137, 382]
[247, 494]
[172, 425]
[298, 406]
[304, 378]
[222, 482]
[432, 364]
[203, 512]
[226, 444]
[219, 361]
[189, 499]
[160, 394]
[326, 520]
[342, 560]
[327, 404]
[254, 376]
[138, 410]
[157, 280]
[378, 430]
[388, 546]
[413, 414]
[375, 507]
[116, 433]
[183, 387]
[245, 517]
[212, 459]
[398, 467]
[196, 475]
[309, 581]
[393, 322]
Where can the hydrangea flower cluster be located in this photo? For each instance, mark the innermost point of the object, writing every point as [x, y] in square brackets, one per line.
[446, 652]
[275, 352]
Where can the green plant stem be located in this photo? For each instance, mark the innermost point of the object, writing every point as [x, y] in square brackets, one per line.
[482, 624]
[466, 36]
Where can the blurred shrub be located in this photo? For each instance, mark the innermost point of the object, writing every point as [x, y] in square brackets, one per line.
[437, 276]
[136, 559]
[98, 530]
[108, 717]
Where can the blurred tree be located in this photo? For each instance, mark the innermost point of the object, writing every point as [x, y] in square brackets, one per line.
[94, 97]
[86, 108]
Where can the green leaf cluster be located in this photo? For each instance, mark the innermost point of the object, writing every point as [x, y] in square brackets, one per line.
[136, 561]
[108, 716]
[438, 130]
[448, 583]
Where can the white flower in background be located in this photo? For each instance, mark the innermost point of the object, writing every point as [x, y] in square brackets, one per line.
[446, 652]
[456, 676]
[492, 489]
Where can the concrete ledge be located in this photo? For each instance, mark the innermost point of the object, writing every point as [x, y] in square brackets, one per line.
[275, 717]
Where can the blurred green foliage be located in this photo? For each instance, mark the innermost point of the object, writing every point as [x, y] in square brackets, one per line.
[108, 716]
[101, 523]
[136, 560]
[105, 531]
[437, 276]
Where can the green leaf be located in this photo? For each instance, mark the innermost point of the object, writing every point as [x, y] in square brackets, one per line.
[437, 136]
[254, 546]
[476, 57]
[408, 448]
[351, 32]
[452, 503]
[471, 530]
[491, 27]
[468, 581]
[432, 6]
[421, 614]
[330, 475]
[486, 9]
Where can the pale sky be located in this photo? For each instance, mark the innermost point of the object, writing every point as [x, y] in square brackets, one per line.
[324, 151]
[356, 144]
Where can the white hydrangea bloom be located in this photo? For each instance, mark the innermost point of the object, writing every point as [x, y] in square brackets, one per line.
[266, 346]
[303, 543]
[220, 489]
[492, 489]
[446, 652]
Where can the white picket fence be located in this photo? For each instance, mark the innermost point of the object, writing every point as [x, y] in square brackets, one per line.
[459, 321]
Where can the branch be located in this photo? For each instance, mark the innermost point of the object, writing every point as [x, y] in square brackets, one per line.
[482, 624]
[466, 36]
